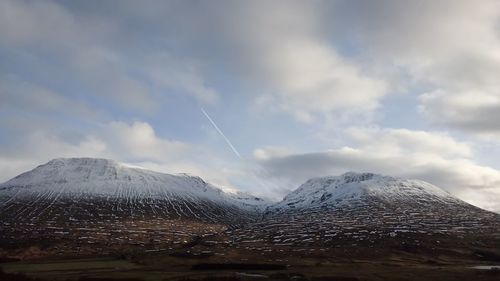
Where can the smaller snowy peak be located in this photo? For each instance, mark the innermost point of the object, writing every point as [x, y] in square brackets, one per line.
[350, 183]
[349, 177]
[353, 188]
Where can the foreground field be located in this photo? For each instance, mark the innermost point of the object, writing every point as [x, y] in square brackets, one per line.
[165, 267]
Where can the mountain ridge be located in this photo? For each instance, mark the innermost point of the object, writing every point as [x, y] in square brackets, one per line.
[95, 176]
[87, 188]
[92, 176]
[88, 206]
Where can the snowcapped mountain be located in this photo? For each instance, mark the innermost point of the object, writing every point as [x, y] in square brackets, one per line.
[356, 188]
[88, 184]
[86, 206]
[353, 204]
[369, 210]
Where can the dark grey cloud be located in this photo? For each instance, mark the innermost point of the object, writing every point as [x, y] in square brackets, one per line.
[470, 113]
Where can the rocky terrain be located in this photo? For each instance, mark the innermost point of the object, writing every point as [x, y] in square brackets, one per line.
[85, 207]
[358, 211]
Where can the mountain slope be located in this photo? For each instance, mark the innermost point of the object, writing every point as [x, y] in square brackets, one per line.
[100, 187]
[87, 206]
[358, 188]
[372, 211]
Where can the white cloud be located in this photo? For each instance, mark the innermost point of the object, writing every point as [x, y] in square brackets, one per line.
[450, 48]
[138, 141]
[400, 141]
[309, 77]
[269, 152]
[433, 157]
[278, 49]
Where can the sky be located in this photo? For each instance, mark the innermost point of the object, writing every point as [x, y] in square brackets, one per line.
[257, 96]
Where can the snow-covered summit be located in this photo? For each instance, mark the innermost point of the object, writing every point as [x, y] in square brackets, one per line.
[89, 177]
[353, 187]
[79, 170]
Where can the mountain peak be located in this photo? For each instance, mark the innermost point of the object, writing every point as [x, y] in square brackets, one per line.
[358, 188]
[103, 183]
[81, 160]
[358, 177]
[348, 177]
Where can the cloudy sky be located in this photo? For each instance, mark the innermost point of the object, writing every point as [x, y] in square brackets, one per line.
[298, 88]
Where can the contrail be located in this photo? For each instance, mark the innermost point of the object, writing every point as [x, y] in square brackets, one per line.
[253, 173]
[221, 133]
